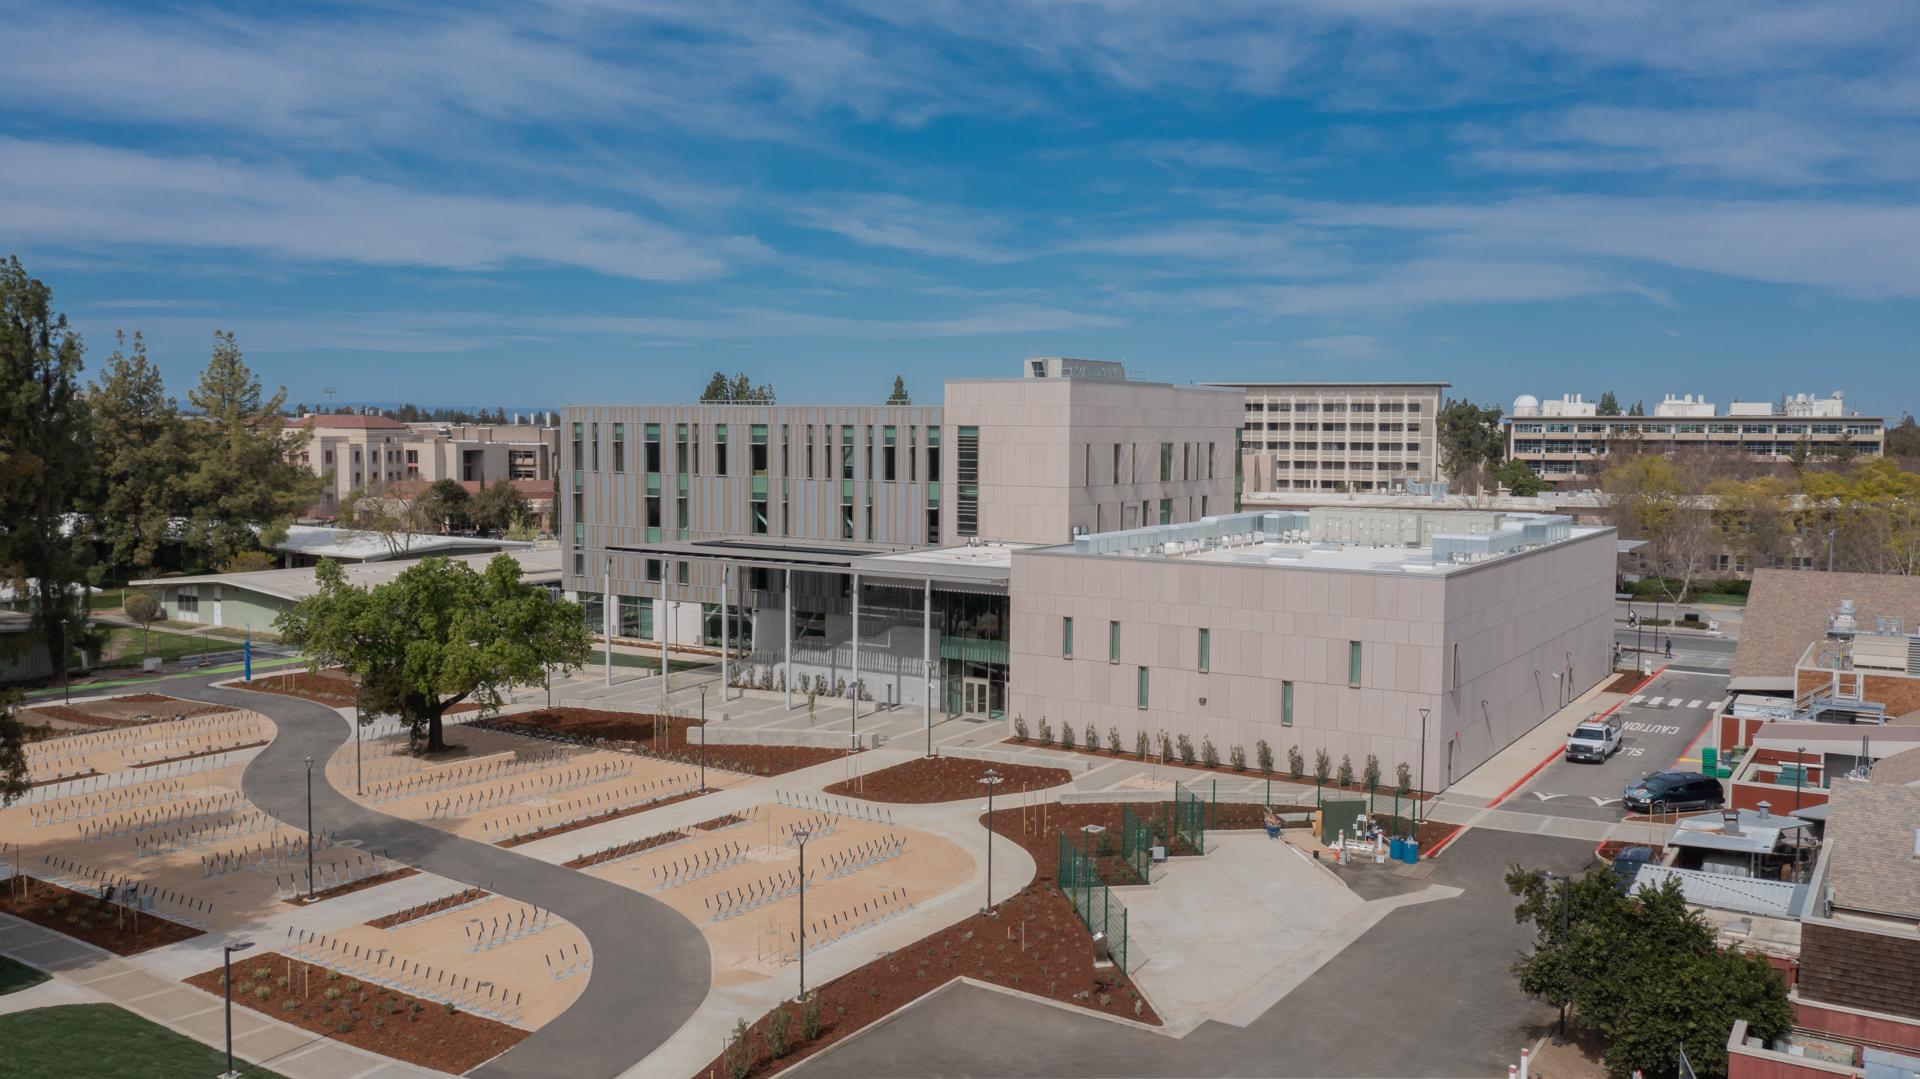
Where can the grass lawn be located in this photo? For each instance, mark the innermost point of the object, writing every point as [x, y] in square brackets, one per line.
[104, 1042]
[15, 976]
[123, 646]
[652, 663]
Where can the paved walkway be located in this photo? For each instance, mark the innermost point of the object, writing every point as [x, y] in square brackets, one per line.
[85, 974]
[650, 966]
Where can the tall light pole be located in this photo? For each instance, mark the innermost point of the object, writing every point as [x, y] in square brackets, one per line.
[358, 770]
[229, 949]
[1419, 809]
[992, 780]
[1800, 769]
[703, 732]
[800, 837]
[607, 616]
[309, 829]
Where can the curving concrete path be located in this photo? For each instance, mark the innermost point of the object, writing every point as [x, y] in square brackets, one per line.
[651, 967]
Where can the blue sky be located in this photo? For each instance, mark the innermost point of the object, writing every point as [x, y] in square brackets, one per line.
[594, 200]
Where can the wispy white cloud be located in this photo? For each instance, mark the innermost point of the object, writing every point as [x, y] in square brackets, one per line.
[906, 224]
[99, 197]
[1349, 346]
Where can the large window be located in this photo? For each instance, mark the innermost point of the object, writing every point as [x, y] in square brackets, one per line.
[1353, 663]
[1166, 511]
[619, 447]
[846, 451]
[967, 508]
[1113, 642]
[1141, 677]
[1066, 638]
[681, 458]
[933, 455]
[596, 447]
[579, 447]
[809, 451]
[757, 450]
[719, 449]
[1166, 462]
[636, 618]
[682, 515]
[888, 434]
[1286, 704]
[1206, 650]
[651, 450]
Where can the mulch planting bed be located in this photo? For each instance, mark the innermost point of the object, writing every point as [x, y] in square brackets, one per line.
[667, 737]
[421, 910]
[1037, 829]
[88, 774]
[91, 919]
[331, 686]
[1624, 683]
[1035, 945]
[371, 1017]
[947, 779]
[202, 753]
[623, 850]
[117, 712]
[1226, 767]
[718, 823]
[601, 818]
[355, 886]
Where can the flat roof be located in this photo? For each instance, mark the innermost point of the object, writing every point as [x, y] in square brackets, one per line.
[346, 544]
[537, 564]
[980, 563]
[1332, 382]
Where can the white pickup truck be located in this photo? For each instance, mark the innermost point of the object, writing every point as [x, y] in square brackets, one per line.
[1595, 739]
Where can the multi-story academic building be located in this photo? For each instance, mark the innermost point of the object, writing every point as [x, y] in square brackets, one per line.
[1069, 544]
[1339, 436]
[1568, 443]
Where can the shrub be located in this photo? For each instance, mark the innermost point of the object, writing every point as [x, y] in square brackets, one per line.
[1140, 744]
[1113, 740]
[1209, 756]
[778, 1024]
[1370, 774]
[263, 992]
[354, 987]
[1019, 728]
[736, 1058]
[810, 1017]
[1322, 766]
[1093, 736]
[1046, 732]
[1166, 747]
[452, 1008]
[1237, 757]
[1186, 749]
[1345, 774]
[1263, 756]
[332, 993]
[1066, 736]
[289, 1004]
[1403, 779]
[261, 974]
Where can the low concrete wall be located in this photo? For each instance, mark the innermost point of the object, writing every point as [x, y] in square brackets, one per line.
[719, 734]
[1007, 756]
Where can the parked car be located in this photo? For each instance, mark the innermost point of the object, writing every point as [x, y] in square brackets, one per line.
[1675, 791]
[1595, 739]
[1626, 866]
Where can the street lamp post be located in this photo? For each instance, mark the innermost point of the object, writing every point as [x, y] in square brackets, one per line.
[800, 837]
[309, 829]
[358, 770]
[991, 779]
[1419, 810]
[703, 735]
[228, 950]
[1800, 769]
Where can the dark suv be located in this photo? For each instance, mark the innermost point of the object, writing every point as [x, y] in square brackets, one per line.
[1675, 791]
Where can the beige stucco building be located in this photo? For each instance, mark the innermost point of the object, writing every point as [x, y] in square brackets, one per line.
[1339, 436]
[1330, 629]
[354, 451]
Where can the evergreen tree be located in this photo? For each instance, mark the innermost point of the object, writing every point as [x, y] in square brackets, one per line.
[1638, 409]
[141, 454]
[1470, 438]
[1519, 478]
[1903, 438]
[241, 474]
[899, 394]
[717, 391]
[46, 465]
[1609, 404]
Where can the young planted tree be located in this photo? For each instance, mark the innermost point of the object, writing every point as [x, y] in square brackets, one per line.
[436, 635]
[1345, 775]
[1370, 772]
[1322, 767]
[1403, 779]
[1296, 764]
[1263, 755]
[141, 455]
[144, 610]
[46, 466]
[241, 472]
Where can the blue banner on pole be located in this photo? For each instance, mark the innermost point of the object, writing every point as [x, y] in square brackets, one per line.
[246, 659]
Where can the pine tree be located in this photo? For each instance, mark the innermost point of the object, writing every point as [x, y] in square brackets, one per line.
[141, 454]
[1609, 405]
[717, 391]
[899, 394]
[45, 464]
[242, 476]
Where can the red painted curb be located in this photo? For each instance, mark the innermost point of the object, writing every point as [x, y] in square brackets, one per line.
[1445, 843]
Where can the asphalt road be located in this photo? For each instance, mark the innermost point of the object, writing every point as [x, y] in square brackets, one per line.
[1427, 992]
[650, 965]
[1659, 722]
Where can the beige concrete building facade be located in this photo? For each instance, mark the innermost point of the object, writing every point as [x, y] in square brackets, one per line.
[353, 452]
[1317, 644]
[1339, 436]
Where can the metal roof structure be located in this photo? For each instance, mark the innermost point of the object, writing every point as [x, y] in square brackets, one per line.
[1746, 895]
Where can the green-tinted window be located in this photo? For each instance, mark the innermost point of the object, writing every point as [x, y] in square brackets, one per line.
[1166, 461]
[1113, 642]
[967, 465]
[1206, 649]
[1166, 511]
[846, 451]
[1286, 704]
[719, 449]
[1142, 677]
[619, 447]
[1353, 663]
[1066, 638]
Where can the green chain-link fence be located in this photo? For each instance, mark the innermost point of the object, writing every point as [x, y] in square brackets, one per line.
[1189, 821]
[1093, 901]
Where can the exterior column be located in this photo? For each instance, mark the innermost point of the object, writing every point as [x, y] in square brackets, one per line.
[926, 663]
[726, 573]
[787, 662]
[856, 657]
[607, 616]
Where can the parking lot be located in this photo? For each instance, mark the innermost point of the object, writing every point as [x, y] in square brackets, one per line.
[1659, 725]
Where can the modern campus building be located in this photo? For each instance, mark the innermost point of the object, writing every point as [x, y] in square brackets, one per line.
[1339, 436]
[354, 452]
[1567, 442]
[1069, 544]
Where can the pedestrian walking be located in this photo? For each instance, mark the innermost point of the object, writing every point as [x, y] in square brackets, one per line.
[1669, 647]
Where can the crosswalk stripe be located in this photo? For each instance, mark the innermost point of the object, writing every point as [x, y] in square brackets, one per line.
[1673, 702]
[1693, 704]
[1637, 698]
[1655, 703]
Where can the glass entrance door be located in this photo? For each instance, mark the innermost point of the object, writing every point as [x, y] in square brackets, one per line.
[975, 702]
